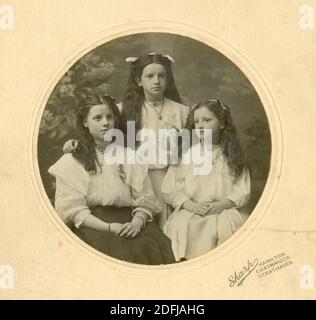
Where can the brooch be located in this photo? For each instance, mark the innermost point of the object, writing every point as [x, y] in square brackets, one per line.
[122, 173]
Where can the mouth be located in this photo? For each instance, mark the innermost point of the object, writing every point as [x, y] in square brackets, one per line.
[200, 133]
[156, 88]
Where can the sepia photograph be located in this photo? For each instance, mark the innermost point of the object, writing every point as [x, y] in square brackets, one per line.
[167, 100]
[156, 150]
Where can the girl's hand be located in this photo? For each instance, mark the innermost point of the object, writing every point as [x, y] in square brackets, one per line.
[201, 208]
[131, 229]
[219, 206]
[70, 146]
[215, 208]
[116, 228]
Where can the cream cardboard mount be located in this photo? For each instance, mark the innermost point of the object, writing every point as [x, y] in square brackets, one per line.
[270, 256]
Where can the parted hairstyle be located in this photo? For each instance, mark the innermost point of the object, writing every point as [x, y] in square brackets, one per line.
[227, 135]
[133, 97]
[85, 153]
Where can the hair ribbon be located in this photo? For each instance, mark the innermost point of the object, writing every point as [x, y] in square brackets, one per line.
[133, 59]
[130, 59]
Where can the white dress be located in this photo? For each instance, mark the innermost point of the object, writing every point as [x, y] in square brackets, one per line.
[173, 115]
[193, 235]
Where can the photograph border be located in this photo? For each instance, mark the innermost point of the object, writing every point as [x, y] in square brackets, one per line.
[256, 81]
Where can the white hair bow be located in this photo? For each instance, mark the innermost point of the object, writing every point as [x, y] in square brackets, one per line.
[130, 59]
[169, 58]
[133, 59]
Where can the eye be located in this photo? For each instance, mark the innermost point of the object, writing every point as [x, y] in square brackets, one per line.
[97, 118]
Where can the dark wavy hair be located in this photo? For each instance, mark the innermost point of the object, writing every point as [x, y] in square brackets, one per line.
[133, 97]
[227, 135]
[85, 153]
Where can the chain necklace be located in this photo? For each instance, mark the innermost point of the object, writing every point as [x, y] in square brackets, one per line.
[120, 169]
[219, 153]
[159, 116]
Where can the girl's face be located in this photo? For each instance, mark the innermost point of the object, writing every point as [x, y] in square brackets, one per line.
[206, 119]
[99, 119]
[153, 81]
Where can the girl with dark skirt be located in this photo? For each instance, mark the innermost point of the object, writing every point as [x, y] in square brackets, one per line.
[109, 206]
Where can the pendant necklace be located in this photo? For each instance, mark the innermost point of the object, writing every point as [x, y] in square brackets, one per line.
[219, 153]
[159, 116]
[100, 158]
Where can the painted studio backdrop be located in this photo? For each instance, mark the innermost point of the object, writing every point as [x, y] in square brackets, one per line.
[200, 72]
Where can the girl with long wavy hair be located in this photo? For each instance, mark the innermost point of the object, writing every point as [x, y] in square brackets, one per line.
[209, 208]
[109, 206]
[152, 101]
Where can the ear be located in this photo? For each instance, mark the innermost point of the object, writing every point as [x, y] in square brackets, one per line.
[138, 82]
[85, 123]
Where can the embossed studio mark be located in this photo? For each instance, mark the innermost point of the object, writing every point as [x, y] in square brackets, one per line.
[239, 276]
[307, 277]
[307, 14]
[6, 17]
[6, 277]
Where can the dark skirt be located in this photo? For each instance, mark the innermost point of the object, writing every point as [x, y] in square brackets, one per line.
[150, 246]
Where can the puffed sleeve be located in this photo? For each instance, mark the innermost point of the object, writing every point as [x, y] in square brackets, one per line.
[173, 186]
[241, 189]
[143, 197]
[71, 190]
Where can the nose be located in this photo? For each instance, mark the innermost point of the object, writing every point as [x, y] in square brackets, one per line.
[156, 79]
[200, 125]
[105, 122]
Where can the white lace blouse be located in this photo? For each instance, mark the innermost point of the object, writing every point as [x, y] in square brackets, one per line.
[171, 115]
[77, 189]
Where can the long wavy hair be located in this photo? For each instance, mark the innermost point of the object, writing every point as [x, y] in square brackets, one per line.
[85, 153]
[133, 97]
[227, 135]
